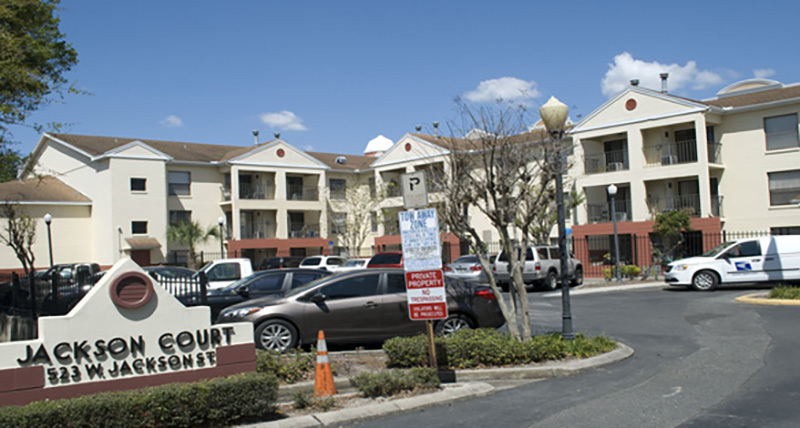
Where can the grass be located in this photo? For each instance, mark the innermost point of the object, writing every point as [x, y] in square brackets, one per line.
[785, 292]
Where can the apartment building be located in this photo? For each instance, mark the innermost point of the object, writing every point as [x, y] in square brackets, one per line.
[732, 163]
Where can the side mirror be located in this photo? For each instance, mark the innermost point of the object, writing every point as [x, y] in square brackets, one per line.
[243, 291]
[318, 298]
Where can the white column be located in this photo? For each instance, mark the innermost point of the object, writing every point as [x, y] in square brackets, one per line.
[703, 177]
[636, 162]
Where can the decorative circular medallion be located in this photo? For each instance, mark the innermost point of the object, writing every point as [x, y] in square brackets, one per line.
[630, 104]
[280, 153]
[408, 147]
[131, 290]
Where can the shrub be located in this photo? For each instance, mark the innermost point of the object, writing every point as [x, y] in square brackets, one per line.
[630, 271]
[785, 292]
[391, 382]
[213, 402]
[294, 366]
[490, 348]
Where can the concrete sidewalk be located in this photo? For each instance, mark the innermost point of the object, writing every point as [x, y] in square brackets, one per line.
[467, 384]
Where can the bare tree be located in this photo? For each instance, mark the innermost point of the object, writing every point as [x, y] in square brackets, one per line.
[504, 171]
[354, 208]
[20, 234]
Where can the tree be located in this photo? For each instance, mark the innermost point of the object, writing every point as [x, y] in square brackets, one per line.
[190, 234]
[355, 208]
[34, 57]
[506, 172]
[20, 234]
[668, 233]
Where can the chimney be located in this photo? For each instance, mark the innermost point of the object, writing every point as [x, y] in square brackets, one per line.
[255, 136]
[664, 82]
[277, 135]
[634, 82]
[436, 128]
[418, 128]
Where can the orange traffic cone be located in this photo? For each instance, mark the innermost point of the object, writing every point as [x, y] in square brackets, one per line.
[323, 378]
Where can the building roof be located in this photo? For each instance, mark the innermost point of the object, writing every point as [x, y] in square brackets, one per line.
[41, 189]
[180, 151]
[755, 97]
[351, 162]
[143, 243]
[535, 135]
[378, 144]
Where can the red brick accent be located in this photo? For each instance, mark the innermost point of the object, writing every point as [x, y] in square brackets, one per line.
[281, 245]
[29, 381]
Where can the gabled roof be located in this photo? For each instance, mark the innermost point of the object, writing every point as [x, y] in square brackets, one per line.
[752, 98]
[179, 151]
[41, 189]
[452, 143]
[352, 162]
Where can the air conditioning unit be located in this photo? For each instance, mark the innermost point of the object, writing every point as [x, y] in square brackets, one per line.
[669, 160]
[622, 216]
[616, 166]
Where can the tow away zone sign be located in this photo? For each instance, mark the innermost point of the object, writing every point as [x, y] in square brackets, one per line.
[427, 299]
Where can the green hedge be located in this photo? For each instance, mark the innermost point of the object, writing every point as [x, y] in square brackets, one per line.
[291, 367]
[785, 292]
[391, 382]
[490, 348]
[214, 402]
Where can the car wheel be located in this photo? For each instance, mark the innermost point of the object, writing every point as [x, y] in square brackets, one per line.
[503, 286]
[452, 324]
[705, 280]
[578, 279]
[550, 282]
[276, 335]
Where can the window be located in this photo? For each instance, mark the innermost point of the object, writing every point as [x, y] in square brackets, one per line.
[179, 183]
[138, 184]
[338, 223]
[266, 283]
[300, 279]
[338, 188]
[373, 192]
[373, 222]
[786, 230]
[781, 132]
[224, 272]
[360, 286]
[139, 227]
[745, 249]
[395, 283]
[784, 187]
[176, 217]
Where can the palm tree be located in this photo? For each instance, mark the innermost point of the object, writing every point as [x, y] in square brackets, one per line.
[190, 234]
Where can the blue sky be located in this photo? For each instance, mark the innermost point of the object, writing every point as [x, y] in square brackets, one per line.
[331, 75]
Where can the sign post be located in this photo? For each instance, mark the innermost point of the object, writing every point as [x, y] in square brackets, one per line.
[422, 261]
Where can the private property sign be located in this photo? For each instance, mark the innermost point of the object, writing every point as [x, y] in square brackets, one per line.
[427, 299]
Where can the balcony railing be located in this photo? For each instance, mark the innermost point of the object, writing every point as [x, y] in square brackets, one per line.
[601, 213]
[714, 153]
[250, 233]
[688, 203]
[226, 193]
[393, 189]
[671, 154]
[307, 231]
[613, 160]
[299, 193]
[255, 191]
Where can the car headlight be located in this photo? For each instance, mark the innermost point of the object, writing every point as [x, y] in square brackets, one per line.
[680, 267]
[241, 312]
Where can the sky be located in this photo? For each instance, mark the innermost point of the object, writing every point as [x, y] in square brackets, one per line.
[331, 75]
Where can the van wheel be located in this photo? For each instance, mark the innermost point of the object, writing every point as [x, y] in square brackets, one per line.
[578, 278]
[705, 280]
[276, 335]
[550, 282]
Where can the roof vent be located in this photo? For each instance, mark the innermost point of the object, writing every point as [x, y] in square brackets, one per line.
[634, 82]
[341, 160]
[277, 135]
[664, 77]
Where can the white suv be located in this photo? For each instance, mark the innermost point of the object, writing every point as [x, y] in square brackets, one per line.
[322, 262]
[542, 268]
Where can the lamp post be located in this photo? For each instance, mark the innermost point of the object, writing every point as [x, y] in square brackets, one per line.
[47, 220]
[554, 115]
[612, 191]
[221, 221]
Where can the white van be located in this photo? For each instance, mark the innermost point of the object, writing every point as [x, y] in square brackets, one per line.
[767, 259]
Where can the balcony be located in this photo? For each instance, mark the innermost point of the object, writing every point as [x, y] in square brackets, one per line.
[255, 233]
[688, 203]
[714, 153]
[391, 227]
[300, 193]
[601, 213]
[253, 191]
[613, 160]
[671, 154]
[393, 189]
[306, 231]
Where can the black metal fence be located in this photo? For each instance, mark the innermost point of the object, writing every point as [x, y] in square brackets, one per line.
[32, 296]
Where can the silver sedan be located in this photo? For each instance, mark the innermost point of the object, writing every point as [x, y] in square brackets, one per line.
[466, 268]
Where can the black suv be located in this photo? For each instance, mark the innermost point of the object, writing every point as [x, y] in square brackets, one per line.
[280, 263]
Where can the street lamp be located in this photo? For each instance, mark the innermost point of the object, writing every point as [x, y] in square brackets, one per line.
[47, 220]
[612, 191]
[554, 115]
[221, 221]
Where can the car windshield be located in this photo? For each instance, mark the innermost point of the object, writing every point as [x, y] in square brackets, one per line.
[239, 283]
[354, 263]
[467, 259]
[386, 259]
[718, 249]
[311, 262]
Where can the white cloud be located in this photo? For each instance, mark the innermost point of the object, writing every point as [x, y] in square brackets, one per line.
[284, 120]
[171, 121]
[625, 68]
[504, 88]
[763, 73]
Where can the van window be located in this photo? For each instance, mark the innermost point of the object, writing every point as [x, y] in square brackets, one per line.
[746, 249]
[542, 252]
[224, 272]
[529, 255]
[555, 253]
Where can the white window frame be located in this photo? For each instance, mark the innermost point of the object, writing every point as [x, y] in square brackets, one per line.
[786, 184]
[174, 181]
[783, 138]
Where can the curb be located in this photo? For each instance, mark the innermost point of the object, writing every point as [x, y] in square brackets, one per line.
[472, 388]
[760, 299]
